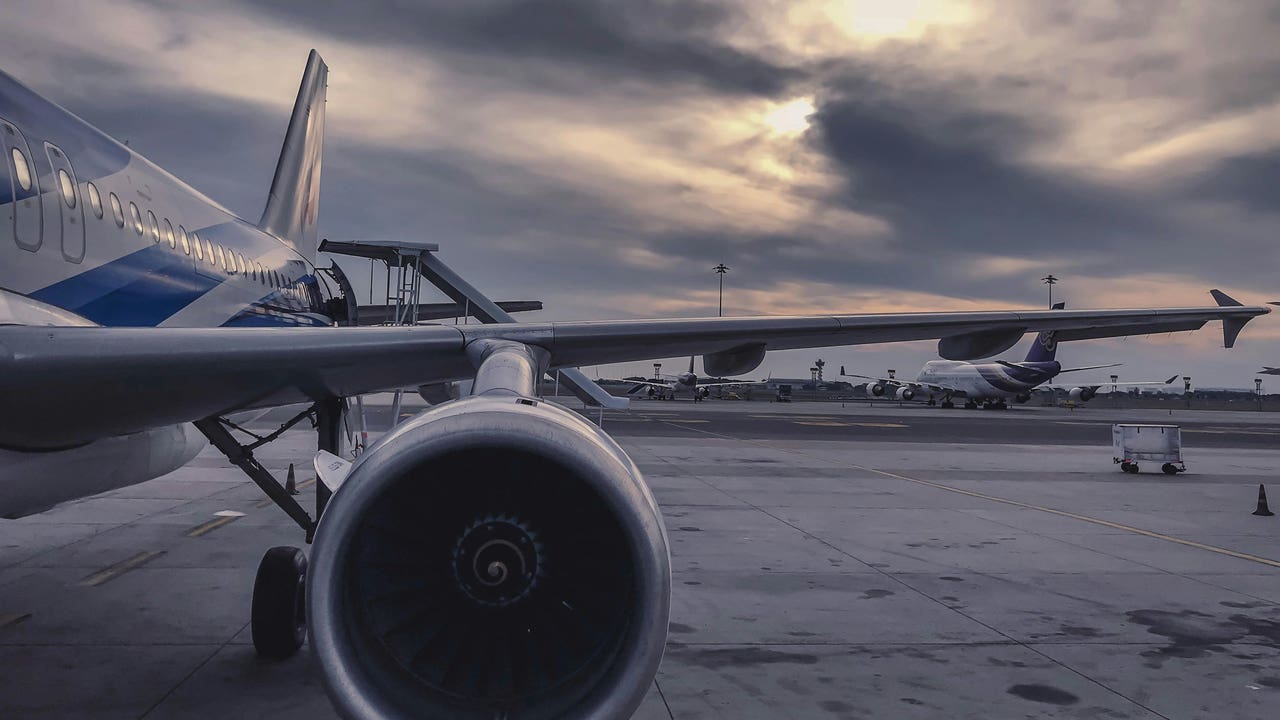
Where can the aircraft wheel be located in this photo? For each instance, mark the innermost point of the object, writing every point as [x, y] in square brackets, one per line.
[947, 405]
[279, 617]
[970, 405]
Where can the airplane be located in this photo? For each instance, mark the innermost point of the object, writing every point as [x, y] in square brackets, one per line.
[496, 555]
[1266, 370]
[993, 384]
[666, 386]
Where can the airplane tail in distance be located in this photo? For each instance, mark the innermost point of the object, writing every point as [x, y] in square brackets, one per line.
[292, 206]
[1045, 348]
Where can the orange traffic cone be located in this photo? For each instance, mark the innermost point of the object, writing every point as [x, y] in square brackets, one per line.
[1263, 510]
[290, 485]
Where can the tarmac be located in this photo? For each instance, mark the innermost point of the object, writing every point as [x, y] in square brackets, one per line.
[829, 562]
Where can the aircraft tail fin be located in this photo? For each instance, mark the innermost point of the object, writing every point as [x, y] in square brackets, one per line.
[1045, 348]
[292, 205]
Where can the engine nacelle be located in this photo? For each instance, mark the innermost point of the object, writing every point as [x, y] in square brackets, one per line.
[1083, 394]
[497, 556]
[873, 389]
[905, 393]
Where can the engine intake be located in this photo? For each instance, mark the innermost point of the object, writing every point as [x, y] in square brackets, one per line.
[1083, 394]
[905, 393]
[492, 557]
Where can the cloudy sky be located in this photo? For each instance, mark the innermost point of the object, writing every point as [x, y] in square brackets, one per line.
[850, 156]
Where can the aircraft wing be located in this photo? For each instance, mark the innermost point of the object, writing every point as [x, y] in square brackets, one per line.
[1096, 385]
[65, 385]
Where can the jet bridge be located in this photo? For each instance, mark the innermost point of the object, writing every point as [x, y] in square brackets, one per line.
[411, 261]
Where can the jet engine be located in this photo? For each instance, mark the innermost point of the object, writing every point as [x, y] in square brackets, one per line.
[1083, 394]
[874, 389]
[905, 393]
[497, 556]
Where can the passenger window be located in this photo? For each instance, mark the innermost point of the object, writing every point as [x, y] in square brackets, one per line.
[95, 200]
[68, 188]
[186, 244]
[262, 274]
[208, 250]
[222, 258]
[116, 210]
[137, 217]
[21, 169]
[168, 234]
[240, 264]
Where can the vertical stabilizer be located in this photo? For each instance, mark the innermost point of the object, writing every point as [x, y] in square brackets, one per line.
[1045, 348]
[292, 206]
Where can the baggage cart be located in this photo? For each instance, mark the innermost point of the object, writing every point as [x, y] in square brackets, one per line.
[1132, 444]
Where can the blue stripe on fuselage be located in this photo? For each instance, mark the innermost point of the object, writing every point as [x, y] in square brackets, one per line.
[143, 288]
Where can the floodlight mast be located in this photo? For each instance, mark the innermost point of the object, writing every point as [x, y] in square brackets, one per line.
[721, 269]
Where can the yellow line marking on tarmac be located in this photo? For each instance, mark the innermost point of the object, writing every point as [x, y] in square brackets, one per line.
[267, 502]
[880, 425]
[1030, 506]
[210, 526]
[822, 423]
[689, 422]
[1084, 518]
[8, 619]
[1229, 432]
[113, 571]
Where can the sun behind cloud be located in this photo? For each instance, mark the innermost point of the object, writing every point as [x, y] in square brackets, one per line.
[790, 118]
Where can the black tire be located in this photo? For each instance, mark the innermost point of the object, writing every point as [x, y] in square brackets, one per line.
[279, 618]
[1169, 469]
[1129, 467]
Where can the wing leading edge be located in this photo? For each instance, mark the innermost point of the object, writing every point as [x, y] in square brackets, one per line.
[65, 385]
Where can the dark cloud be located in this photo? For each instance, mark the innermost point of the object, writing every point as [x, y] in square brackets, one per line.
[652, 41]
[1249, 181]
[957, 186]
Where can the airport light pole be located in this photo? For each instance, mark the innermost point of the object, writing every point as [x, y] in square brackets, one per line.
[721, 269]
[1186, 387]
[1050, 280]
[1257, 388]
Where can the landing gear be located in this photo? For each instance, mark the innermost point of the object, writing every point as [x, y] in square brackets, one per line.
[947, 404]
[279, 615]
[970, 405]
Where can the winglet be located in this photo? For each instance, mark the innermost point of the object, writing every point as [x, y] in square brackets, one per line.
[842, 372]
[1170, 380]
[1224, 300]
[1231, 327]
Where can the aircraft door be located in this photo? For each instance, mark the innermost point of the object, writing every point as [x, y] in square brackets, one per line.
[23, 215]
[72, 213]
